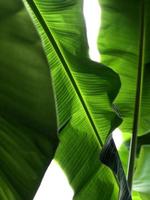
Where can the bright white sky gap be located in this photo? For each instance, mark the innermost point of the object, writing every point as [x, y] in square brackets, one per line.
[55, 185]
[92, 13]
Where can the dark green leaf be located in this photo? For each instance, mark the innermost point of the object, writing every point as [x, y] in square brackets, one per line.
[110, 157]
[27, 110]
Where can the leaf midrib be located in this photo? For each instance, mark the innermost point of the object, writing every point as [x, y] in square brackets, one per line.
[64, 63]
[138, 98]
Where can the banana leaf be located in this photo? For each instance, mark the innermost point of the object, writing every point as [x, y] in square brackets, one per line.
[119, 46]
[28, 130]
[141, 182]
[118, 43]
[84, 92]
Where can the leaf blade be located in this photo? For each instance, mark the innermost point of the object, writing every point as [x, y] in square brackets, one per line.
[78, 132]
[26, 107]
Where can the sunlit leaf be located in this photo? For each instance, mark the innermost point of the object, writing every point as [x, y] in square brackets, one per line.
[84, 93]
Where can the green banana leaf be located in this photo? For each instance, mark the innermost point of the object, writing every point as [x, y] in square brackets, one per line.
[118, 42]
[28, 130]
[84, 92]
[142, 175]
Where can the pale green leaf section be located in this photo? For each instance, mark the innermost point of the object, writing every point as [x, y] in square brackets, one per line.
[141, 182]
[119, 48]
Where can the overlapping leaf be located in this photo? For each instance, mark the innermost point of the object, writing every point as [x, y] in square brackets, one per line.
[27, 110]
[119, 46]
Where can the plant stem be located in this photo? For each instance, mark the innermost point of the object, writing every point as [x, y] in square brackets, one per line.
[138, 98]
